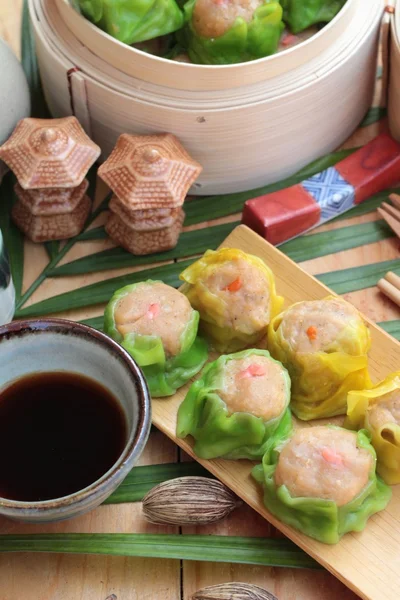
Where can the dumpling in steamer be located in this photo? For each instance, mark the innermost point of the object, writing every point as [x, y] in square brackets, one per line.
[238, 404]
[324, 346]
[235, 295]
[156, 324]
[378, 411]
[323, 482]
[231, 31]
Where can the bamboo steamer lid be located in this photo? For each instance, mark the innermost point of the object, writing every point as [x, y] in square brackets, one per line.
[267, 119]
[394, 84]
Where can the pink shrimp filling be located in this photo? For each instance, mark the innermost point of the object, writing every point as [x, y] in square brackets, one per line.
[153, 311]
[332, 457]
[252, 371]
[289, 39]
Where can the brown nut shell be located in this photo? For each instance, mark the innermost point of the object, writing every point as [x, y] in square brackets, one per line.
[150, 171]
[144, 242]
[49, 153]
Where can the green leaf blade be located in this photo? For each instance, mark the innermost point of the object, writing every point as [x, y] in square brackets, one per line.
[98, 293]
[191, 243]
[392, 327]
[243, 550]
[13, 237]
[358, 278]
[142, 479]
[337, 240]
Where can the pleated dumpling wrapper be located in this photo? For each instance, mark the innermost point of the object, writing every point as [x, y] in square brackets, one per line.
[323, 482]
[240, 401]
[235, 295]
[157, 326]
[133, 21]
[301, 14]
[221, 32]
[324, 345]
[378, 411]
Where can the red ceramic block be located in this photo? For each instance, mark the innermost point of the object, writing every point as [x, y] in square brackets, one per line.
[373, 168]
[281, 215]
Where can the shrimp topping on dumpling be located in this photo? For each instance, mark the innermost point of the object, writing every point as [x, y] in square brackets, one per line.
[319, 462]
[213, 18]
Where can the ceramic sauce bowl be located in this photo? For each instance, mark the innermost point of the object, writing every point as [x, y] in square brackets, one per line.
[46, 345]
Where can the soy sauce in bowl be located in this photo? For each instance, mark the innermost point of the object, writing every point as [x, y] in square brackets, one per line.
[59, 433]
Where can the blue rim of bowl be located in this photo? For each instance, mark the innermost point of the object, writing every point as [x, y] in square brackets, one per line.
[135, 444]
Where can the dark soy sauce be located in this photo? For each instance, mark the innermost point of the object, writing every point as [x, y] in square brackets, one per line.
[59, 432]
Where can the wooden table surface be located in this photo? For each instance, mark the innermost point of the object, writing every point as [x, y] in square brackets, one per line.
[68, 577]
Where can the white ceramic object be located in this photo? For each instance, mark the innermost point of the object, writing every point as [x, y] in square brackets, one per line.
[7, 290]
[248, 124]
[47, 345]
[14, 92]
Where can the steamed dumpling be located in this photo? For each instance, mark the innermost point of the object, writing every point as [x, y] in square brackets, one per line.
[158, 327]
[239, 403]
[235, 295]
[324, 346]
[322, 482]
[231, 31]
[378, 410]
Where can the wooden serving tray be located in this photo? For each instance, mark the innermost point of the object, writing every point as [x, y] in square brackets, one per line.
[367, 562]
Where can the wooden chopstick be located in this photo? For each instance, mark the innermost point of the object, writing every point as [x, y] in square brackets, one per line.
[390, 286]
[392, 217]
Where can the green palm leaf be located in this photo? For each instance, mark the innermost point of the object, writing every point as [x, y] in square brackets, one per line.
[142, 479]
[392, 327]
[254, 551]
[102, 291]
[13, 238]
[329, 242]
[375, 114]
[358, 278]
[190, 243]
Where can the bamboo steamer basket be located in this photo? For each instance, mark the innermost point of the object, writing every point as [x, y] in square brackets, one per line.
[248, 124]
[394, 73]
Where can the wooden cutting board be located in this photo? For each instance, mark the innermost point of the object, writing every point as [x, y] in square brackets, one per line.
[367, 562]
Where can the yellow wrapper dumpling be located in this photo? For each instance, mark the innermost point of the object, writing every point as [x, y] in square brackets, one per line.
[235, 294]
[324, 345]
[378, 411]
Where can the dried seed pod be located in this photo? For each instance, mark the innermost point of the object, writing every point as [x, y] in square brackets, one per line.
[233, 591]
[189, 501]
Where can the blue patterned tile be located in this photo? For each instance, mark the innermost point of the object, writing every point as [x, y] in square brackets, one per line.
[332, 192]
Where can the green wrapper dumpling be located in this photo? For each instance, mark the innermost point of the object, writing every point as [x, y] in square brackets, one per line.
[323, 482]
[231, 31]
[324, 346]
[156, 324]
[301, 14]
[131, 21]
[235, 295]
[238, 404]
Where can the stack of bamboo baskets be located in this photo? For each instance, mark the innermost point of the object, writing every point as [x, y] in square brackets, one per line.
[247, 124]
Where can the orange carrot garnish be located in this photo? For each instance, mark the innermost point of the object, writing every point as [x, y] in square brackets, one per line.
[252, 371]
[153, 311]
[234, 286]
[332, 457]
[311, 333]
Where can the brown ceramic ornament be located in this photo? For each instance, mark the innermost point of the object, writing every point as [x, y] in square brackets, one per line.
[40, 228]
[49, 153]
[144, 242]
[150, 171]
[144, 220]
[51, 201]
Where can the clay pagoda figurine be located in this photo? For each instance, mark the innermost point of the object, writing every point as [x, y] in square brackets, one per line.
[150, 176]
[50, 158]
